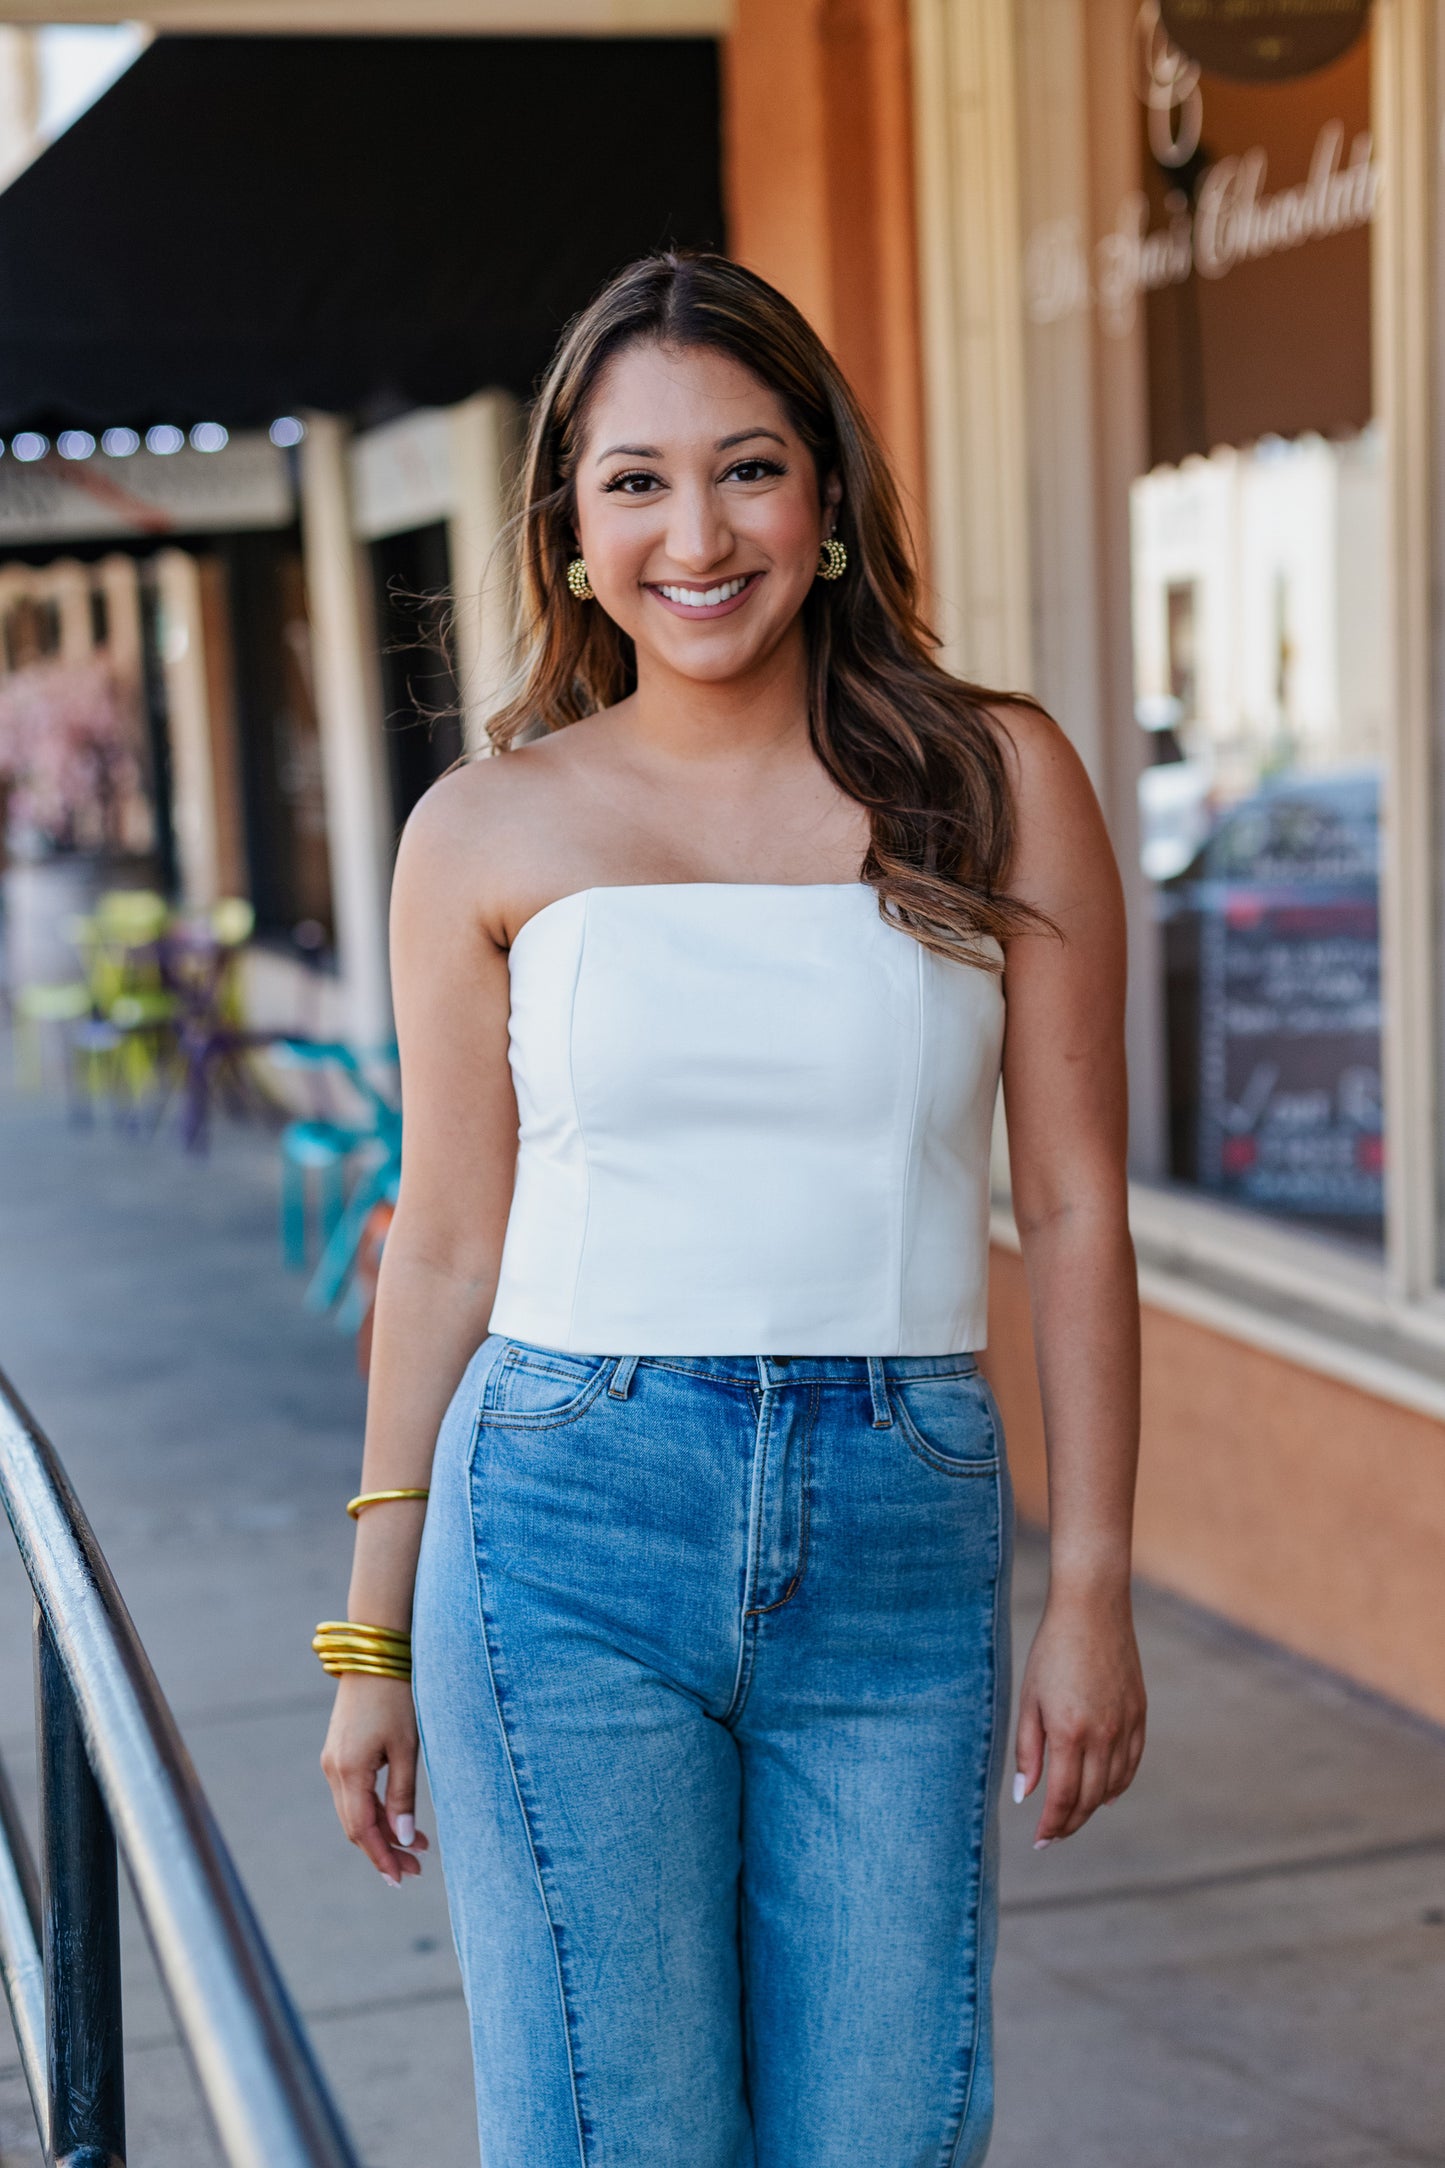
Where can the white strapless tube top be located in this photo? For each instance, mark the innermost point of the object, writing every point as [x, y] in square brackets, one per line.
[752, 1121]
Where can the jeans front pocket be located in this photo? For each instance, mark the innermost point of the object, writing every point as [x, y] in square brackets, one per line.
[537, 1388]
[950, 1422]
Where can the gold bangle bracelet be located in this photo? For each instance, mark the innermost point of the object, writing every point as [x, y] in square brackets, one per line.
[378, 1652]
[333, 1653]
[327, 1649]
[363, 1671]
[354, 1628]
[345, 1653]
[356, 1506]
[374, 1651]
[337, 1667]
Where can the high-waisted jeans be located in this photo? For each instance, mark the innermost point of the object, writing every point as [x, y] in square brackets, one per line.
[712, 1670]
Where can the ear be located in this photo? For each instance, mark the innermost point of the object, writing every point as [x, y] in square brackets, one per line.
[833, 492]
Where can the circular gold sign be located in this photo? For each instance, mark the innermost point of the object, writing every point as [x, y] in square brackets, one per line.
[1264, 41]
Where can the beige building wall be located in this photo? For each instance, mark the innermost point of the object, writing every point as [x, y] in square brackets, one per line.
[349, 708]
[486, 438]
[196, 817]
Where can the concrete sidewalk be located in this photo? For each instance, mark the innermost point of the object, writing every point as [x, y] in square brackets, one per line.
[1241, 1963]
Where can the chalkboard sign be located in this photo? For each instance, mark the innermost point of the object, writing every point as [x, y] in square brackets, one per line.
[1264, 40]
[1289, 1051]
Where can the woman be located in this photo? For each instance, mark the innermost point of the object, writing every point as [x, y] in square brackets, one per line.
[710, 1615]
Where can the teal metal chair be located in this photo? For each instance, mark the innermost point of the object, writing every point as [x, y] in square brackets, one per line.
[315, 1152]
[331, 1149]
[310, 1150]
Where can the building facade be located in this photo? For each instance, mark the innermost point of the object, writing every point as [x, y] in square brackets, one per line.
[1203, 304]
[1146, 305]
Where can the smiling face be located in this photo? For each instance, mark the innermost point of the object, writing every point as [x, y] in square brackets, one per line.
[699, 510]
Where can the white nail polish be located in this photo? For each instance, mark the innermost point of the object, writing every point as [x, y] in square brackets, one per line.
[392, 1881]
[406, 1830]
[1021, 1786]
[1041, 1844]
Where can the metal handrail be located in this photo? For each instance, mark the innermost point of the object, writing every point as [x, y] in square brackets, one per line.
[104, 1720]
[20, 1967]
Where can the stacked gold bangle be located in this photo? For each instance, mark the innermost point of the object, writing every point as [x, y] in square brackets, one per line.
[380, 1651]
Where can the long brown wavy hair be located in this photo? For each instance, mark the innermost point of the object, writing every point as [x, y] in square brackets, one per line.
[917, 748]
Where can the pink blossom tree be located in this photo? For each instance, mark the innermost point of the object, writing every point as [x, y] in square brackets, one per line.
[68, 758]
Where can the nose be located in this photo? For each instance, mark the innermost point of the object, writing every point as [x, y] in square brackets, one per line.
[698, 534]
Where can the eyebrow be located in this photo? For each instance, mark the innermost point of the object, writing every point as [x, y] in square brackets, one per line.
[650, 451]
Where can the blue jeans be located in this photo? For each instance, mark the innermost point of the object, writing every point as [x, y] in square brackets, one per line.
[711, 1665]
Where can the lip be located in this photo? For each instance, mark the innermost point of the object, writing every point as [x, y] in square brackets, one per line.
[692, 612]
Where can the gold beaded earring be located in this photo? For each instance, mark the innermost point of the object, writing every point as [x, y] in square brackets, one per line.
[832, 559]
[578, 581]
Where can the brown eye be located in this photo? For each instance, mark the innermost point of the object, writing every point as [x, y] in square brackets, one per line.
[631, 485]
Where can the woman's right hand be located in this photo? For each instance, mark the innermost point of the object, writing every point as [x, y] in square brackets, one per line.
[373, 1726]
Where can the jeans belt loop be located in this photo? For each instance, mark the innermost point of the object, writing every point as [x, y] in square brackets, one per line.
[878, 1389]
[621, 1384]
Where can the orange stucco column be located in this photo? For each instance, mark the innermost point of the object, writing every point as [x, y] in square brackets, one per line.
[819, 175]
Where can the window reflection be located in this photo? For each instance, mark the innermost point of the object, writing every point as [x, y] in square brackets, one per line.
[1210, 544]
[1259, 628]
[1259, 621]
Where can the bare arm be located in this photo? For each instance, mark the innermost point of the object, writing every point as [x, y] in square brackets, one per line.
[438, 1276]
[1066, 1103]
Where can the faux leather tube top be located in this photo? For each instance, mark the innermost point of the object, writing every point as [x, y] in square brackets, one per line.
[752, 1120]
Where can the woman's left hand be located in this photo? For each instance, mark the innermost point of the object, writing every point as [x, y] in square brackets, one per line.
[1083, 1701]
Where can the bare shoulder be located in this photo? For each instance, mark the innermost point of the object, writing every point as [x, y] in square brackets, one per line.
[1037, 751]
[470, 806]
[475, 833]
[1062, 849]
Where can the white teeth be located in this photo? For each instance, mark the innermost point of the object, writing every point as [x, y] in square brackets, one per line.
[694, 599]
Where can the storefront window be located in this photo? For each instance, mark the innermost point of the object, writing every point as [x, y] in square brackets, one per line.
[1227, 285]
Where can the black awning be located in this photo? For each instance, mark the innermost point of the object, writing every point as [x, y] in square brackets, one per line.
[247, 225]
